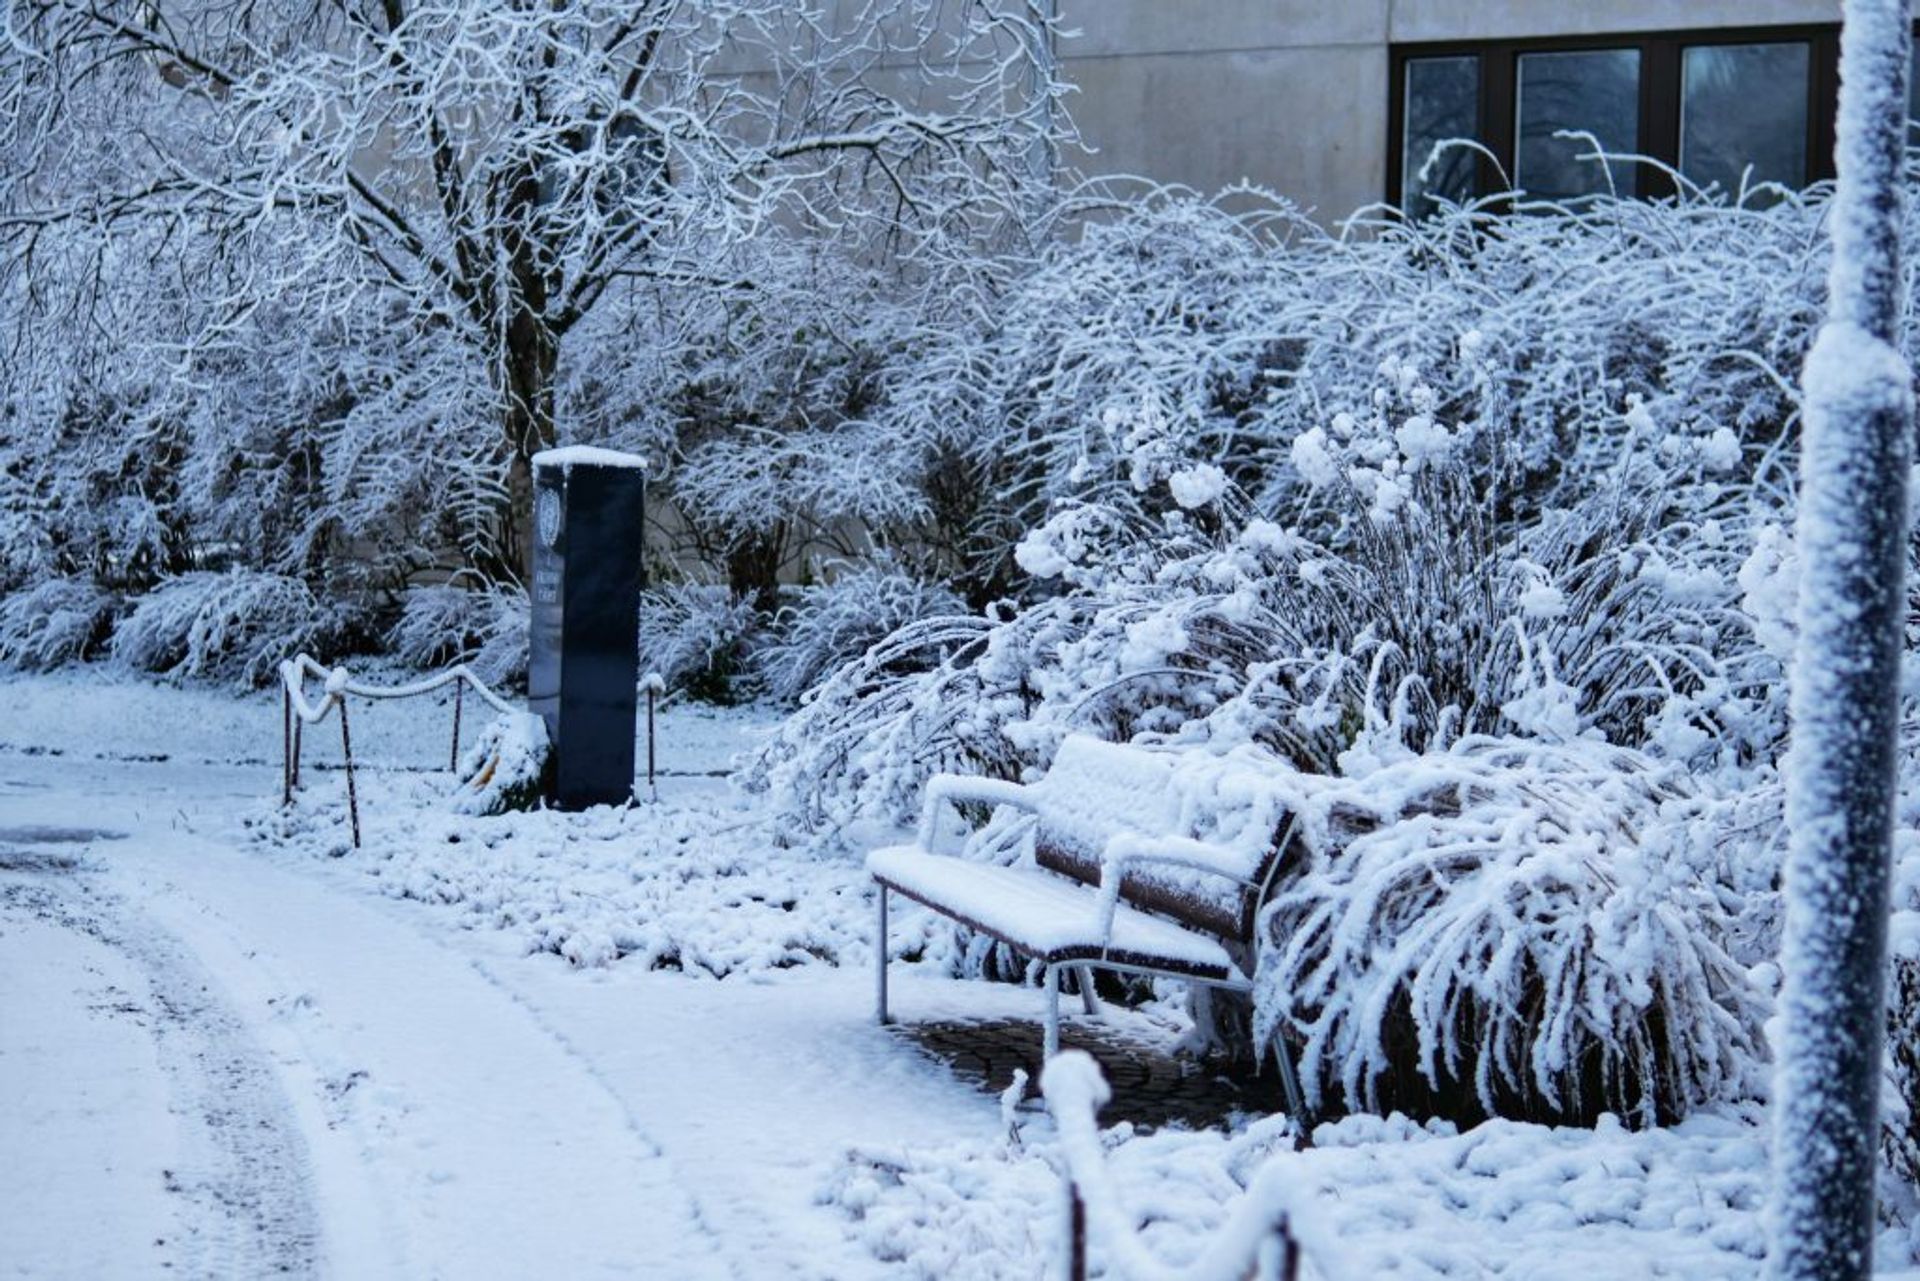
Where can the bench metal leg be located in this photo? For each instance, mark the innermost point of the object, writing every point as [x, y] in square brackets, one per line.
[1083, 974]
[880, 961]
[1290, 1082]
[1051, 1045]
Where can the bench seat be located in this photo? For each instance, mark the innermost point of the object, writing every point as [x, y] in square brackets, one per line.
[1049, 917]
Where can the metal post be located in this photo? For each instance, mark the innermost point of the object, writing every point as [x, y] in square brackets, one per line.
[299, 738]
[1051, 1046]
[1076, 1234]
[653, 793]
[880, 954]
[1279, 1257]
[453, 756]
[1290, 1082]
[353, 799]
[286, 746]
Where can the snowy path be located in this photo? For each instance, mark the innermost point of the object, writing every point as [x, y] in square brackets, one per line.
[421, 1101]
[451, 1134]
[169, 1095]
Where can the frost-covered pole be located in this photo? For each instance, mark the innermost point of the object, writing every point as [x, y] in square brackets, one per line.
[1846, 674]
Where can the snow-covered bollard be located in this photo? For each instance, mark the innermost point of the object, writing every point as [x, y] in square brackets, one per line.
[1075, 1091]
[507, 768]
[1256, 1240]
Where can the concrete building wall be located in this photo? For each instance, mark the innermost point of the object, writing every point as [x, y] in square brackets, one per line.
[1293, 94]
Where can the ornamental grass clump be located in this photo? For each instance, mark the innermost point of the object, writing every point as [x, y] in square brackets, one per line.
[1507, 928]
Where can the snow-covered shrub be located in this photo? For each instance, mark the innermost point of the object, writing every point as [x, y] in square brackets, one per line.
[171, 437]
[763, 412]
[1331, 641]
[864, 742]
[1177, 345]
[508, 767]
[59, 620]
[483, 627]
[699, 638]
[1500, 930]
[834, 622]
[233, 626]
[1267, 483]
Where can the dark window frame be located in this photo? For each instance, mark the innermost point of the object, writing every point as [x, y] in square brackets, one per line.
[1661, 57]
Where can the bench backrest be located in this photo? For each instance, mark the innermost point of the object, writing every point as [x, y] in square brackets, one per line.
[1097, 790]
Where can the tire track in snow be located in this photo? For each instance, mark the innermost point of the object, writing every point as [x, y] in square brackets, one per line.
[243, 1185]
[496, 1149]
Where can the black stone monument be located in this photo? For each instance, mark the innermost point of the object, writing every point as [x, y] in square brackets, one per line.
[582, 668]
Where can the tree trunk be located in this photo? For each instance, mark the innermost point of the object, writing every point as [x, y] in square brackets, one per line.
[753, 567]
[530, 362]
[1846, 685]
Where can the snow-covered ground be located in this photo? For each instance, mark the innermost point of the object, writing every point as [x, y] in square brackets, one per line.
[617, 1043]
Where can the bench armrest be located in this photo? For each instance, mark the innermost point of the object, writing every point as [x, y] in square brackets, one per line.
[944, 789]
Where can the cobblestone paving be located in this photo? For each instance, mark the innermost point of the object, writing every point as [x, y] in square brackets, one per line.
[1151, 1088]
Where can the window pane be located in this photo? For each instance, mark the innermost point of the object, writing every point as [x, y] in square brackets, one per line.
[1443, 101]
[1597, 92]
[1744, 105]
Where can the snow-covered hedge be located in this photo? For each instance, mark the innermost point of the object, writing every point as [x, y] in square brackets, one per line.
[699, 638]
[837, 621]
[1494, 473]
[59, 620]
[483, 627]
[236, 626]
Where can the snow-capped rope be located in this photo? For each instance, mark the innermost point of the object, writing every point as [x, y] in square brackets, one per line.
[297, 711]
[1260, 1238]
[338, 680]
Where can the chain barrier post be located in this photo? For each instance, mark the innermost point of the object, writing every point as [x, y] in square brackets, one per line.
[346, 749]
[655, 685]
[286, 746]
[453, 755]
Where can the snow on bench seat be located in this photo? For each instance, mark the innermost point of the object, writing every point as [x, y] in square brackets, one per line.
[1146, 859]
[1047, 917]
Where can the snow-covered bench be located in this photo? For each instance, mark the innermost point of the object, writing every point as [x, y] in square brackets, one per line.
[1145, 861]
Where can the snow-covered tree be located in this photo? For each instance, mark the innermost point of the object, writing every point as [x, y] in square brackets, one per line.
[479, 177]
[1853, 607]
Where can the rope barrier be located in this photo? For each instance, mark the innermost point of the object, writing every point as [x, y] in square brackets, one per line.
[297, 711]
